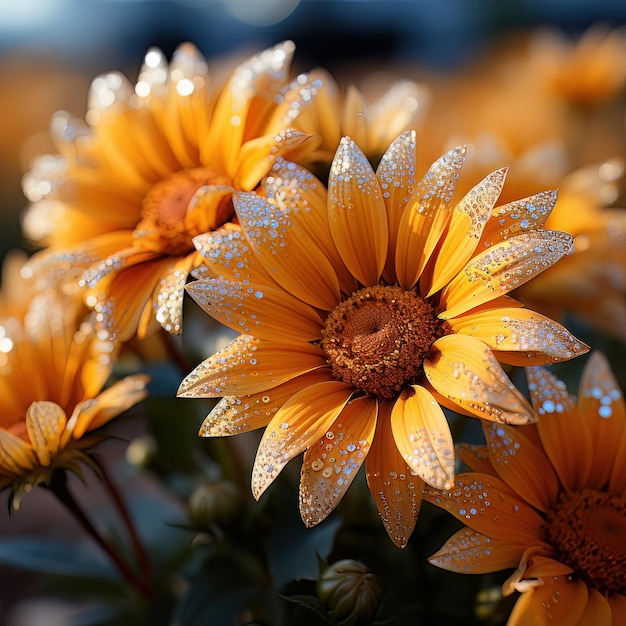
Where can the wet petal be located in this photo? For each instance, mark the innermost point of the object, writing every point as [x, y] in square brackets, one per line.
[559, 602]
[503, 267]
[519, 336]
[301, 421]
[426, 216]
[15, 454]
[475, 457]
[239, 414]
[489, 506]
[169, 297]
[45, 424]
[466, 226]
[522, 464]
[265, 312]
[303, 270]
[598, 611]
[357, 214]
[470, 552]
[249, 365]
[332, 463]
[396, 175]
[395, 488]
[422, 435]
[465, 371]
[601, 404]
[558, 422]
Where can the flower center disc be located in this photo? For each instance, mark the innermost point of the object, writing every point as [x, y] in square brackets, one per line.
[164, 226]
[378, 338]
[588, 530]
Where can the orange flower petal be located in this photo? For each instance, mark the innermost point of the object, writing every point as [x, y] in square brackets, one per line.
[426, 216]
[618, 608]
[489, 506]
[396, 175]
[559, 423]
[233, 415]
[501, 268]
[265, 312]
[466, 372]
[536, 567]
[517, 217]
[331, 464]
[423, 438]
[519, 336]
[598, 611]
[522, 464]
[299, 423]
[310, 276]
[395, 488]
[357, 214]
[470, 552]
[601, 404]
[15, 454]
[475, 457]
[45, 424]
[248, 365]
[560, 602]
[468, 219]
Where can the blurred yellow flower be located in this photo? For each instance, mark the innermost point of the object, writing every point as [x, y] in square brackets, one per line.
[365, 308]
[56, 359]
[154, 166]
[549, 499]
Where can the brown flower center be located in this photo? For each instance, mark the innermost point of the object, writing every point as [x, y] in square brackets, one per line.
[165, 225]
[378, 339]
[588, 531]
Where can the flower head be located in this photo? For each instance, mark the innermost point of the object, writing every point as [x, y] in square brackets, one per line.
[155, 166]
[56, 359]
[364, 308]
[550, 500]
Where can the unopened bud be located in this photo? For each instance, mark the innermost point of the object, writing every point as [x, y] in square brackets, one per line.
[349, 592]
[214, 503]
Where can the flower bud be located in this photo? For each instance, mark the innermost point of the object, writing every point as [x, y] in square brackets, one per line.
[349, 592]
[214, 503]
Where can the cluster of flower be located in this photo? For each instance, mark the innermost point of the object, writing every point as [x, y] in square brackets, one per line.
[379, 275]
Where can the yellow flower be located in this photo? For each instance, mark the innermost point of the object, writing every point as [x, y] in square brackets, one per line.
[372, 115]
[362, 310]
[55, 362]
[156, 165]
[549, 499]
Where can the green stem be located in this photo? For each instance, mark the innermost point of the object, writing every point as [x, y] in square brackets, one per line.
[58, 486]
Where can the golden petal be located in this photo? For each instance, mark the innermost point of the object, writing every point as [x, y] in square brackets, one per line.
[597, 611]
[331, 464]
[489, 506]
[395, 488]
[396, 175]
[470, 552]
[467, 222]
[423, 438]
[303, 270]
[248, 365]
[265, 312]
[522, 464]
[536, 567]
[357, 214]
[355, 118]
[303, 197]
[564, 436]
[239, 414]
[426, 216]
[517, 217]
[465, 371]
[519, 336]
[168, 301]
[45, 424]
[475, 457]
[559, 602]
[618, 608]
[501, 268]
[301, 421]
[601, 404]
[15, 454]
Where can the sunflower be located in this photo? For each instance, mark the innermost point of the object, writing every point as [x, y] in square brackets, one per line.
[550, 500]
[363, 309]
[155, 165]
[56, 359]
